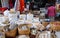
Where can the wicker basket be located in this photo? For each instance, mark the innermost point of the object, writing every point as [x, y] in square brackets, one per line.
[11, 33]
[55, 26]
[23, 32]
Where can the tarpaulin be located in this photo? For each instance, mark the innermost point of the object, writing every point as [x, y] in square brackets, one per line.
[22, 5]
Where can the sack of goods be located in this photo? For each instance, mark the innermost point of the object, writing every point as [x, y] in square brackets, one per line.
[28, 21]
[3, 18]
[22, 17]
[23, 29]
[1, 28]
[36, 19]
[45, 34]
[20, 22]
[13, 15]
[23, 36]
[2, 35]
[29, 16]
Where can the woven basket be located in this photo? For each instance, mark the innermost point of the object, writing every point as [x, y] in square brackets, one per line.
[23, 32]
[11, 33]
[55, 26]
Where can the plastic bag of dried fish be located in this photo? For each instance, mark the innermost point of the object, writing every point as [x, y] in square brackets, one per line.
[24, 28]
[12, 25]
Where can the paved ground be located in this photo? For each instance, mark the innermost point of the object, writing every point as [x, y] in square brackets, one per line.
[58, 34]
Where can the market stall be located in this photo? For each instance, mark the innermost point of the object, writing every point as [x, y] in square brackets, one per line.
[28, 23]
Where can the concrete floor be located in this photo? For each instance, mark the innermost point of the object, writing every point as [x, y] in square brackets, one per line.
[58, 34]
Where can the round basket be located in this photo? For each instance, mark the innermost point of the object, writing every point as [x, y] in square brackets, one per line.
[55, 26]
[11, 33]
[23, 32]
